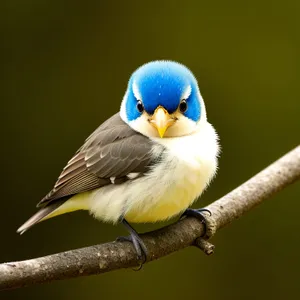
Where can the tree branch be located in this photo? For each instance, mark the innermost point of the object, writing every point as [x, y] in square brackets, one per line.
[116, 255]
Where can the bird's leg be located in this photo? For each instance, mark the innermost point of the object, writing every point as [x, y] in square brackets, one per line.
[198, 214]
[138, 244]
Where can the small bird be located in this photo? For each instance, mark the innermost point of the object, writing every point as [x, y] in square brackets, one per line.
[147, 163]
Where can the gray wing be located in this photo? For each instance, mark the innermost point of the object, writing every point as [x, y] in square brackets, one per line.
[113, 151]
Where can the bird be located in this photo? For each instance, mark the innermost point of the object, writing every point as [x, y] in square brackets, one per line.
[147, 163]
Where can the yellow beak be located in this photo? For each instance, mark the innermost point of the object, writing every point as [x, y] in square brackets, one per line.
[161, 120]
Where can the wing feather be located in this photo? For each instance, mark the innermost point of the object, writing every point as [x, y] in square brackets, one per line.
[114, 150]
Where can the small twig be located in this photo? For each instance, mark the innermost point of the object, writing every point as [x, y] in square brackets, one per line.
[116, 255]
[205, 246]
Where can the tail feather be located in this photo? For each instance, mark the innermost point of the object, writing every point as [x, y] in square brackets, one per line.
[41, 215]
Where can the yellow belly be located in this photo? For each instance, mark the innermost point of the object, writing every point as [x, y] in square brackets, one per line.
[158, 213]
[175, 199]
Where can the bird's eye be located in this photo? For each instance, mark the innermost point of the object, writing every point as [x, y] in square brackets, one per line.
[183, 106]
[140, 106]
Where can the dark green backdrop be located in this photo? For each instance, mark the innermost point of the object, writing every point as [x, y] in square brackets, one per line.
[65, 69]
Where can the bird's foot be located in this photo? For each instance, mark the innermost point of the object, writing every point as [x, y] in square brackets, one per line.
[198, 214]
[138, 244]
[209, 227]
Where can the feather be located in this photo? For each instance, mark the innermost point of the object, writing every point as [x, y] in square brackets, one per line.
[40, 215]
[113, 150]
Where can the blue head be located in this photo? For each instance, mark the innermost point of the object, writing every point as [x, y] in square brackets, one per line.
[163, 95]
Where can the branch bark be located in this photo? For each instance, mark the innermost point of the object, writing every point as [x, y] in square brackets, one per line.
[186, 232]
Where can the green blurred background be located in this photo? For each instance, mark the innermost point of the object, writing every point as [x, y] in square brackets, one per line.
[65, 68]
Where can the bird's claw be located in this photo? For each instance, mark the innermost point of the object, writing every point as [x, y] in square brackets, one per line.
[138, 244]
[198, 214]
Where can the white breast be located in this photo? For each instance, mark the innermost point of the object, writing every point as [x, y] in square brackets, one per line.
[186, 168]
